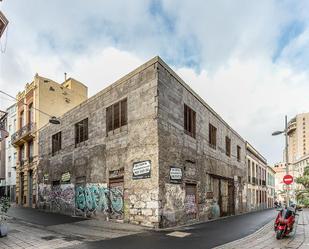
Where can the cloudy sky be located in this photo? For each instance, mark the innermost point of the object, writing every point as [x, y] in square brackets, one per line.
[248, 59]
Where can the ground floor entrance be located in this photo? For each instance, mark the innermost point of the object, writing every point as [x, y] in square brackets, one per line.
[223, 193]
[190, 201]
[116, 190]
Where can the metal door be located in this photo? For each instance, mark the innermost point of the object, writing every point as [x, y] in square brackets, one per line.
[116, 198]
[21, 189]
[190, 201]
[30, 186]
[231, 202]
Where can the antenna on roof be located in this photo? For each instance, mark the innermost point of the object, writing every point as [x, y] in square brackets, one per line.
[65, 77]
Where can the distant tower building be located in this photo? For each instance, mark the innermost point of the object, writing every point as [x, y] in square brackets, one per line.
[298, 137]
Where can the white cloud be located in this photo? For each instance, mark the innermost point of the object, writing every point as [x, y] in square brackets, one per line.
[253, 96]
[223, 50]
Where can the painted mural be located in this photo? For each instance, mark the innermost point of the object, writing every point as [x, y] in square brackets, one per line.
[87, 200]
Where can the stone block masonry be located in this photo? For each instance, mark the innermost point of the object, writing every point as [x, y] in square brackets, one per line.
[142, 166]
[99, 171]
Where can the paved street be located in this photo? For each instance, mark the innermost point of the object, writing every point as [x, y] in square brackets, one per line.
[204, 235]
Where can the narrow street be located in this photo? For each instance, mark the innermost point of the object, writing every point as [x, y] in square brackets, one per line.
[30, 228]
[38, 229]
[204, 235]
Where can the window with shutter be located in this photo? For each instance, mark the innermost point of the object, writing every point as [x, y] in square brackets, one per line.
[116, 115]
[56, 142]
[123, 112]
[189, 121]
[109, 118]
[212, 136]
[81, 131]
[228, 146]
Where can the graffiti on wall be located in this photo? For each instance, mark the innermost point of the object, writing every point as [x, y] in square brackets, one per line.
[83, 200]
[190, 204]
[94, 198]
[59, 198]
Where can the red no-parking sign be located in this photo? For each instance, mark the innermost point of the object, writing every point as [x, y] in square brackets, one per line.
[288, 179]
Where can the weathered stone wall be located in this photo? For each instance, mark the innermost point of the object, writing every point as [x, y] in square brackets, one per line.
[204, 169]
[94, 163]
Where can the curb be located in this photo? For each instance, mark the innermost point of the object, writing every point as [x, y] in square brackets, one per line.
[206, 221]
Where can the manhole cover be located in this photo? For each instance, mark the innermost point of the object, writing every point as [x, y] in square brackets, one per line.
[51, 237]
[178, 234]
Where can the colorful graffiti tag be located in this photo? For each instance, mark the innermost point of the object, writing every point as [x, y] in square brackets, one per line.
[95, 198]
[59, 198]
[81, 200]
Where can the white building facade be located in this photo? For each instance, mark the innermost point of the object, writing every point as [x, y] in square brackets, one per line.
[256, 179]
[11, 155]
[270, 186]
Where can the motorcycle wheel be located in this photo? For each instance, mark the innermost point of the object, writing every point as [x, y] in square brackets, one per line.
[279, 234]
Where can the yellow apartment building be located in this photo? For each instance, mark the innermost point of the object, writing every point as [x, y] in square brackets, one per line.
[36, 104]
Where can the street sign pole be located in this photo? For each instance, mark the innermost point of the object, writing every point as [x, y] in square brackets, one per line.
[286, 158]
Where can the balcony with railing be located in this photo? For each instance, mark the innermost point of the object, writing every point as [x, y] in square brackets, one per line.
[291, 125]
[26, 162]
[26, 133]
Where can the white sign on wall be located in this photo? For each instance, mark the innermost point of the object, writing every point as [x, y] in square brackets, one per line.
[175, 174]
[142, 169]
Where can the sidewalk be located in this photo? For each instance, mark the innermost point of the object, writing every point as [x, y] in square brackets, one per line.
[31, 228]
[265, 237]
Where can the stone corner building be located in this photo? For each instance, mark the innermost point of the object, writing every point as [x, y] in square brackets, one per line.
[146, 150]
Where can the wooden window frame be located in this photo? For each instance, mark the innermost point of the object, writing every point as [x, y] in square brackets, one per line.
[30, 113]
[212, 136]
[81, 131]
[238, 153]
[21, 119]
[117, 115]
[30, 157]
[56, 142]
[227, 146]
[189, 121]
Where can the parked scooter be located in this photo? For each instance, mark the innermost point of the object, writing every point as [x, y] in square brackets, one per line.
[285, 220]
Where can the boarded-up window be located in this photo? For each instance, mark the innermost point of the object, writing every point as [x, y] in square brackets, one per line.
[189, 121]
[228, 146]
[81, 131]
[212, 136]
[238, 153]
[56, 142]
[116, 115]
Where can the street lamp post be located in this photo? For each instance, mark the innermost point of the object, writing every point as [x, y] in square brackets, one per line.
[285, 131]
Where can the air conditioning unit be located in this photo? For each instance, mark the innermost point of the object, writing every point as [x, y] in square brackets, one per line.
[3, 23]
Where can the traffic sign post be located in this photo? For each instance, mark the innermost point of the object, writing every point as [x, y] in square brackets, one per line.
[288, 179]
